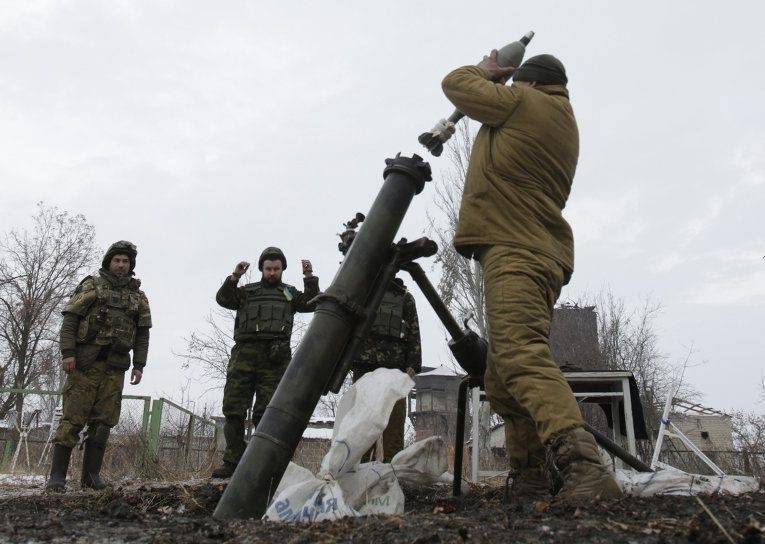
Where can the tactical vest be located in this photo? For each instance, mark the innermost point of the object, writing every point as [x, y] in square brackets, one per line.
[389, 321]
[112, 319]
[266, 312]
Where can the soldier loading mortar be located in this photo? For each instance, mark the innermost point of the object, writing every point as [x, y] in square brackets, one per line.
[518, 180]
[337, 334]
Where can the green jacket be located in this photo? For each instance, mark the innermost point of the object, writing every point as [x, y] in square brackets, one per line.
[521, 167]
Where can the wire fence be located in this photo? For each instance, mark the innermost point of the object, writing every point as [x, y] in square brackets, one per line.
[154, 438]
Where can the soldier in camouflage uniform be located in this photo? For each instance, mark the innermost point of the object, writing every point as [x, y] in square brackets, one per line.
[107, 317]
[394, 342]
[264, 316]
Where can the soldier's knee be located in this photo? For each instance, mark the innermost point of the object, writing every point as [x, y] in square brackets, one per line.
[67, 434]
[98, 433]
[235, 414]
[236, 401]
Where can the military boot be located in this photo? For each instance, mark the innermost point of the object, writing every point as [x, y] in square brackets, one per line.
[584, 476]
[59, 467]
[92, 459]
[532, 479]
[226, 470]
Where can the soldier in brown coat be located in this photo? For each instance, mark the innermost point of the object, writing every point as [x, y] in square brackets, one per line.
[518, 180]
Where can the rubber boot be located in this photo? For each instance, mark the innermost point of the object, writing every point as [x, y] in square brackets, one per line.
[93, 458]
[575, 454]
[58, 469]
[224, 471]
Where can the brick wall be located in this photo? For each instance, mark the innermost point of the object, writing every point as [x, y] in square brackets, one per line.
[707, 432]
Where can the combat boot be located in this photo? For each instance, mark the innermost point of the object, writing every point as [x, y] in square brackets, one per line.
[226, 470]
[575, 455]
[92, 459]
[532, 479]
[59, 467]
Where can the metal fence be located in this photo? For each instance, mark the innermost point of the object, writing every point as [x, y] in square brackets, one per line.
[153, 438]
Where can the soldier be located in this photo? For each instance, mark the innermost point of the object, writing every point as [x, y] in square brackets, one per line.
[264, 316]
[518, 180]
[107, 317]
[394, 342]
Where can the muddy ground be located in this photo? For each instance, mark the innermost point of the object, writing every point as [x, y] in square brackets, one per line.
[181, 513]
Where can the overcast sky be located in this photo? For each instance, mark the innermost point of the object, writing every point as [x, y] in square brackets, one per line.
[205, 131]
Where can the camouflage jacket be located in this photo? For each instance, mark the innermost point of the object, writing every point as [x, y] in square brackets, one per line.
[106, 317]
[387, 352]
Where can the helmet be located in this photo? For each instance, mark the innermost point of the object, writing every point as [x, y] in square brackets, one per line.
[272, 253]
[123, 247]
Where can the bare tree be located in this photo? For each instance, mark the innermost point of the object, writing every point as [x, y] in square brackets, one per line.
[749, 441]
[39, 268]
[209, 350]
[627, 340]
[461, 284]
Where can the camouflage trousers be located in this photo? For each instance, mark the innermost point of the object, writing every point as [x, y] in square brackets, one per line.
[393, 435]
[522, 382]
[255, 368]
[91, 397]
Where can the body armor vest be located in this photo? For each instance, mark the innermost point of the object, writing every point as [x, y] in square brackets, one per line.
[389, 321]
[112, 319]
[266, 312]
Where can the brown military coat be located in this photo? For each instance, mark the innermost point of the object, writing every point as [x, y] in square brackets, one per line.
[521, 166]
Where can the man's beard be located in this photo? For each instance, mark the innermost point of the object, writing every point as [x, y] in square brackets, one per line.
[271, 281]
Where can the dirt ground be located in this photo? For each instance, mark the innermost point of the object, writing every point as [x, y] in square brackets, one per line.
[182, 513]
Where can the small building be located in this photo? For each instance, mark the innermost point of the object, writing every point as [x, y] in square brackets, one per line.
[710, 430]
[432, 404]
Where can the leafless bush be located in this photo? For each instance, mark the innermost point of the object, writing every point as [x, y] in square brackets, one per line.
[461, 284]
[749, 441]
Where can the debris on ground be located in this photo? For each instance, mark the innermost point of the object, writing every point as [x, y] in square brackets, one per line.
[182, 512]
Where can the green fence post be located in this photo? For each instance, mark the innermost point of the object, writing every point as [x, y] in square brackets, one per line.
[8, 453]
[189, 436]
[155, 425]
[146, 416]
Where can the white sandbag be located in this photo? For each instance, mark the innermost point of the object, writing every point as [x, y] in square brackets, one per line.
[362, 416]
[309, 501]
[676, 482]
[344, 487]
[421, 463]
[372, 488]
[295, 474]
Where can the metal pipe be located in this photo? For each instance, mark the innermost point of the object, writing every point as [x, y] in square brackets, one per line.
[459, 440]
[469, 349]
[433, 298]
[274, 441]
[614, 448]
